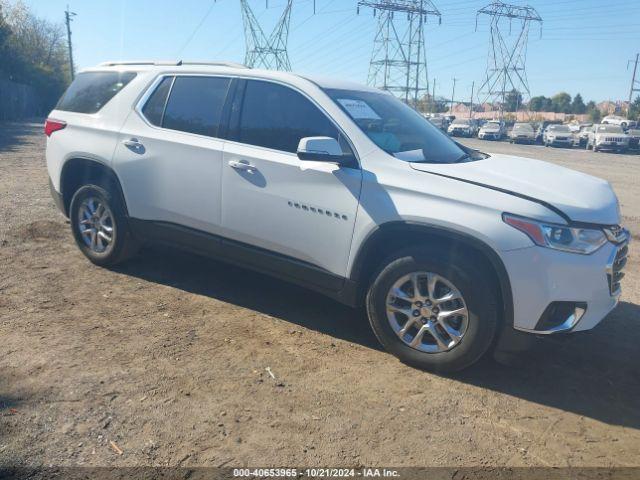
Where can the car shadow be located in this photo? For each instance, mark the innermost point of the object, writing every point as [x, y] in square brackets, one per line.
[595, 374]
[255, 291]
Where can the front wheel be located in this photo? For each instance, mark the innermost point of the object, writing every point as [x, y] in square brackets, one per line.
[99, 226]
[433, 312]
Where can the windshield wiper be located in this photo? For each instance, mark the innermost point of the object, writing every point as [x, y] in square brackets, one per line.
[464, 157]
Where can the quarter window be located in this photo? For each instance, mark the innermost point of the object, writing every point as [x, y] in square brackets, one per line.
[91, 91]
[154, 108]
[277, 117]
[195, 105]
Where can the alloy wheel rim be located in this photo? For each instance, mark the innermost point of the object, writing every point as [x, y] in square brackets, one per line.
[96, 225]
[427, 312]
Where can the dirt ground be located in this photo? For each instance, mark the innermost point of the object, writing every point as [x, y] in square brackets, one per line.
[169, 357]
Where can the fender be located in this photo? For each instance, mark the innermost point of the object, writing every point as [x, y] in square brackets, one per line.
[360, 265]
[87, 170]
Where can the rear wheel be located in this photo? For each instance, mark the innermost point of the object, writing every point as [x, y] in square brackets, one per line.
[99, 226]
[433, 312]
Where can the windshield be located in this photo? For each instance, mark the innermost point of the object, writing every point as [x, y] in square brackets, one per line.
[492, 125]
[558, 128]
[610, 129]
[461, 122]
[521, 127]
[398, 129]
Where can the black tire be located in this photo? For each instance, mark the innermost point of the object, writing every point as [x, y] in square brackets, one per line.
[480, 296]
[123, 245]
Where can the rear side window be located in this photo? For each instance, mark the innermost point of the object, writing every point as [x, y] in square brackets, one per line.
[277, 117]
[91, 91]
[154, 108]
[195, 105]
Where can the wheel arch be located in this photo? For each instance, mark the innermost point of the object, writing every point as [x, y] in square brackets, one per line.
[392, 236]
[79, 171]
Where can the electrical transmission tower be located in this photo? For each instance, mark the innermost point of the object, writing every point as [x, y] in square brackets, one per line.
[506, 67]
[399, 59]
[262, 51]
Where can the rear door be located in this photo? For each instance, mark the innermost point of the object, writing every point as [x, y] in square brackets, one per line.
[273, 200]
[169, 157]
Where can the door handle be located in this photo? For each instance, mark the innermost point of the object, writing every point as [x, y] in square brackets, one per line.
[133, 143]
[242, 165]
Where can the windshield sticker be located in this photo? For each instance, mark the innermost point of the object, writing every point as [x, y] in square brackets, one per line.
[358, 109]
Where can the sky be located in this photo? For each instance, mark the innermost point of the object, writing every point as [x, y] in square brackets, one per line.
[584, 46]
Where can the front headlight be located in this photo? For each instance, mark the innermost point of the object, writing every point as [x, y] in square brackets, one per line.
[558, 237]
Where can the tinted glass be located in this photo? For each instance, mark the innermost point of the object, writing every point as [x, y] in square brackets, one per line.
[275, 116]
[154, 108]
[558, 128]
[91, 91]
[195, 105]
[398, 129]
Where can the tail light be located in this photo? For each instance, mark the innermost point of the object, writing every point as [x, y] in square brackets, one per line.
[51, 126]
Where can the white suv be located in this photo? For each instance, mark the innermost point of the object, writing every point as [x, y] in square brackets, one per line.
[343, 189]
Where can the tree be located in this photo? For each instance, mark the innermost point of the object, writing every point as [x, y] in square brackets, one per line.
[513, 101]
[540, 104]
[634, 109]
[561, 102]
[577, 106]
[33, 52]
[592, 110]
[536, 104]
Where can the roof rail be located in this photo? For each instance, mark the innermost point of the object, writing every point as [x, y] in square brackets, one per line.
[173, 63]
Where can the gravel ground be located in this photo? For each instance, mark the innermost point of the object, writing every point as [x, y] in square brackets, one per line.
[168, 359]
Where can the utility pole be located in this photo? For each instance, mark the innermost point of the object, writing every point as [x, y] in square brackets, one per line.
[473, 84]
[634, 86]
[68, 15]
[453, 93]
[433, 97]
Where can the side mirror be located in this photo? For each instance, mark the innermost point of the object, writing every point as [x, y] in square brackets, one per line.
[320, 149]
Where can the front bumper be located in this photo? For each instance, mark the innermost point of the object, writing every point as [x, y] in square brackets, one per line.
[541, 277]
[489, 136]
[519, 139]
[460, 133]
[612, 145]
[561, 143]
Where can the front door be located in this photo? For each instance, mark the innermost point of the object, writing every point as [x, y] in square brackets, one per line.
[270, 199]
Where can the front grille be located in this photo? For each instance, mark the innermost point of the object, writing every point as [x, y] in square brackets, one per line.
[616, 268]
[562, 138]
[614, 139]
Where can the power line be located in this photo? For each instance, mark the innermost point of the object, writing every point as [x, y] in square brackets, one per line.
[198, 27]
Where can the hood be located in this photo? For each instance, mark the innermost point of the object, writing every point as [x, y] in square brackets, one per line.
[579, 196]
[559, 133]
[492, 128]
[609, 134]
